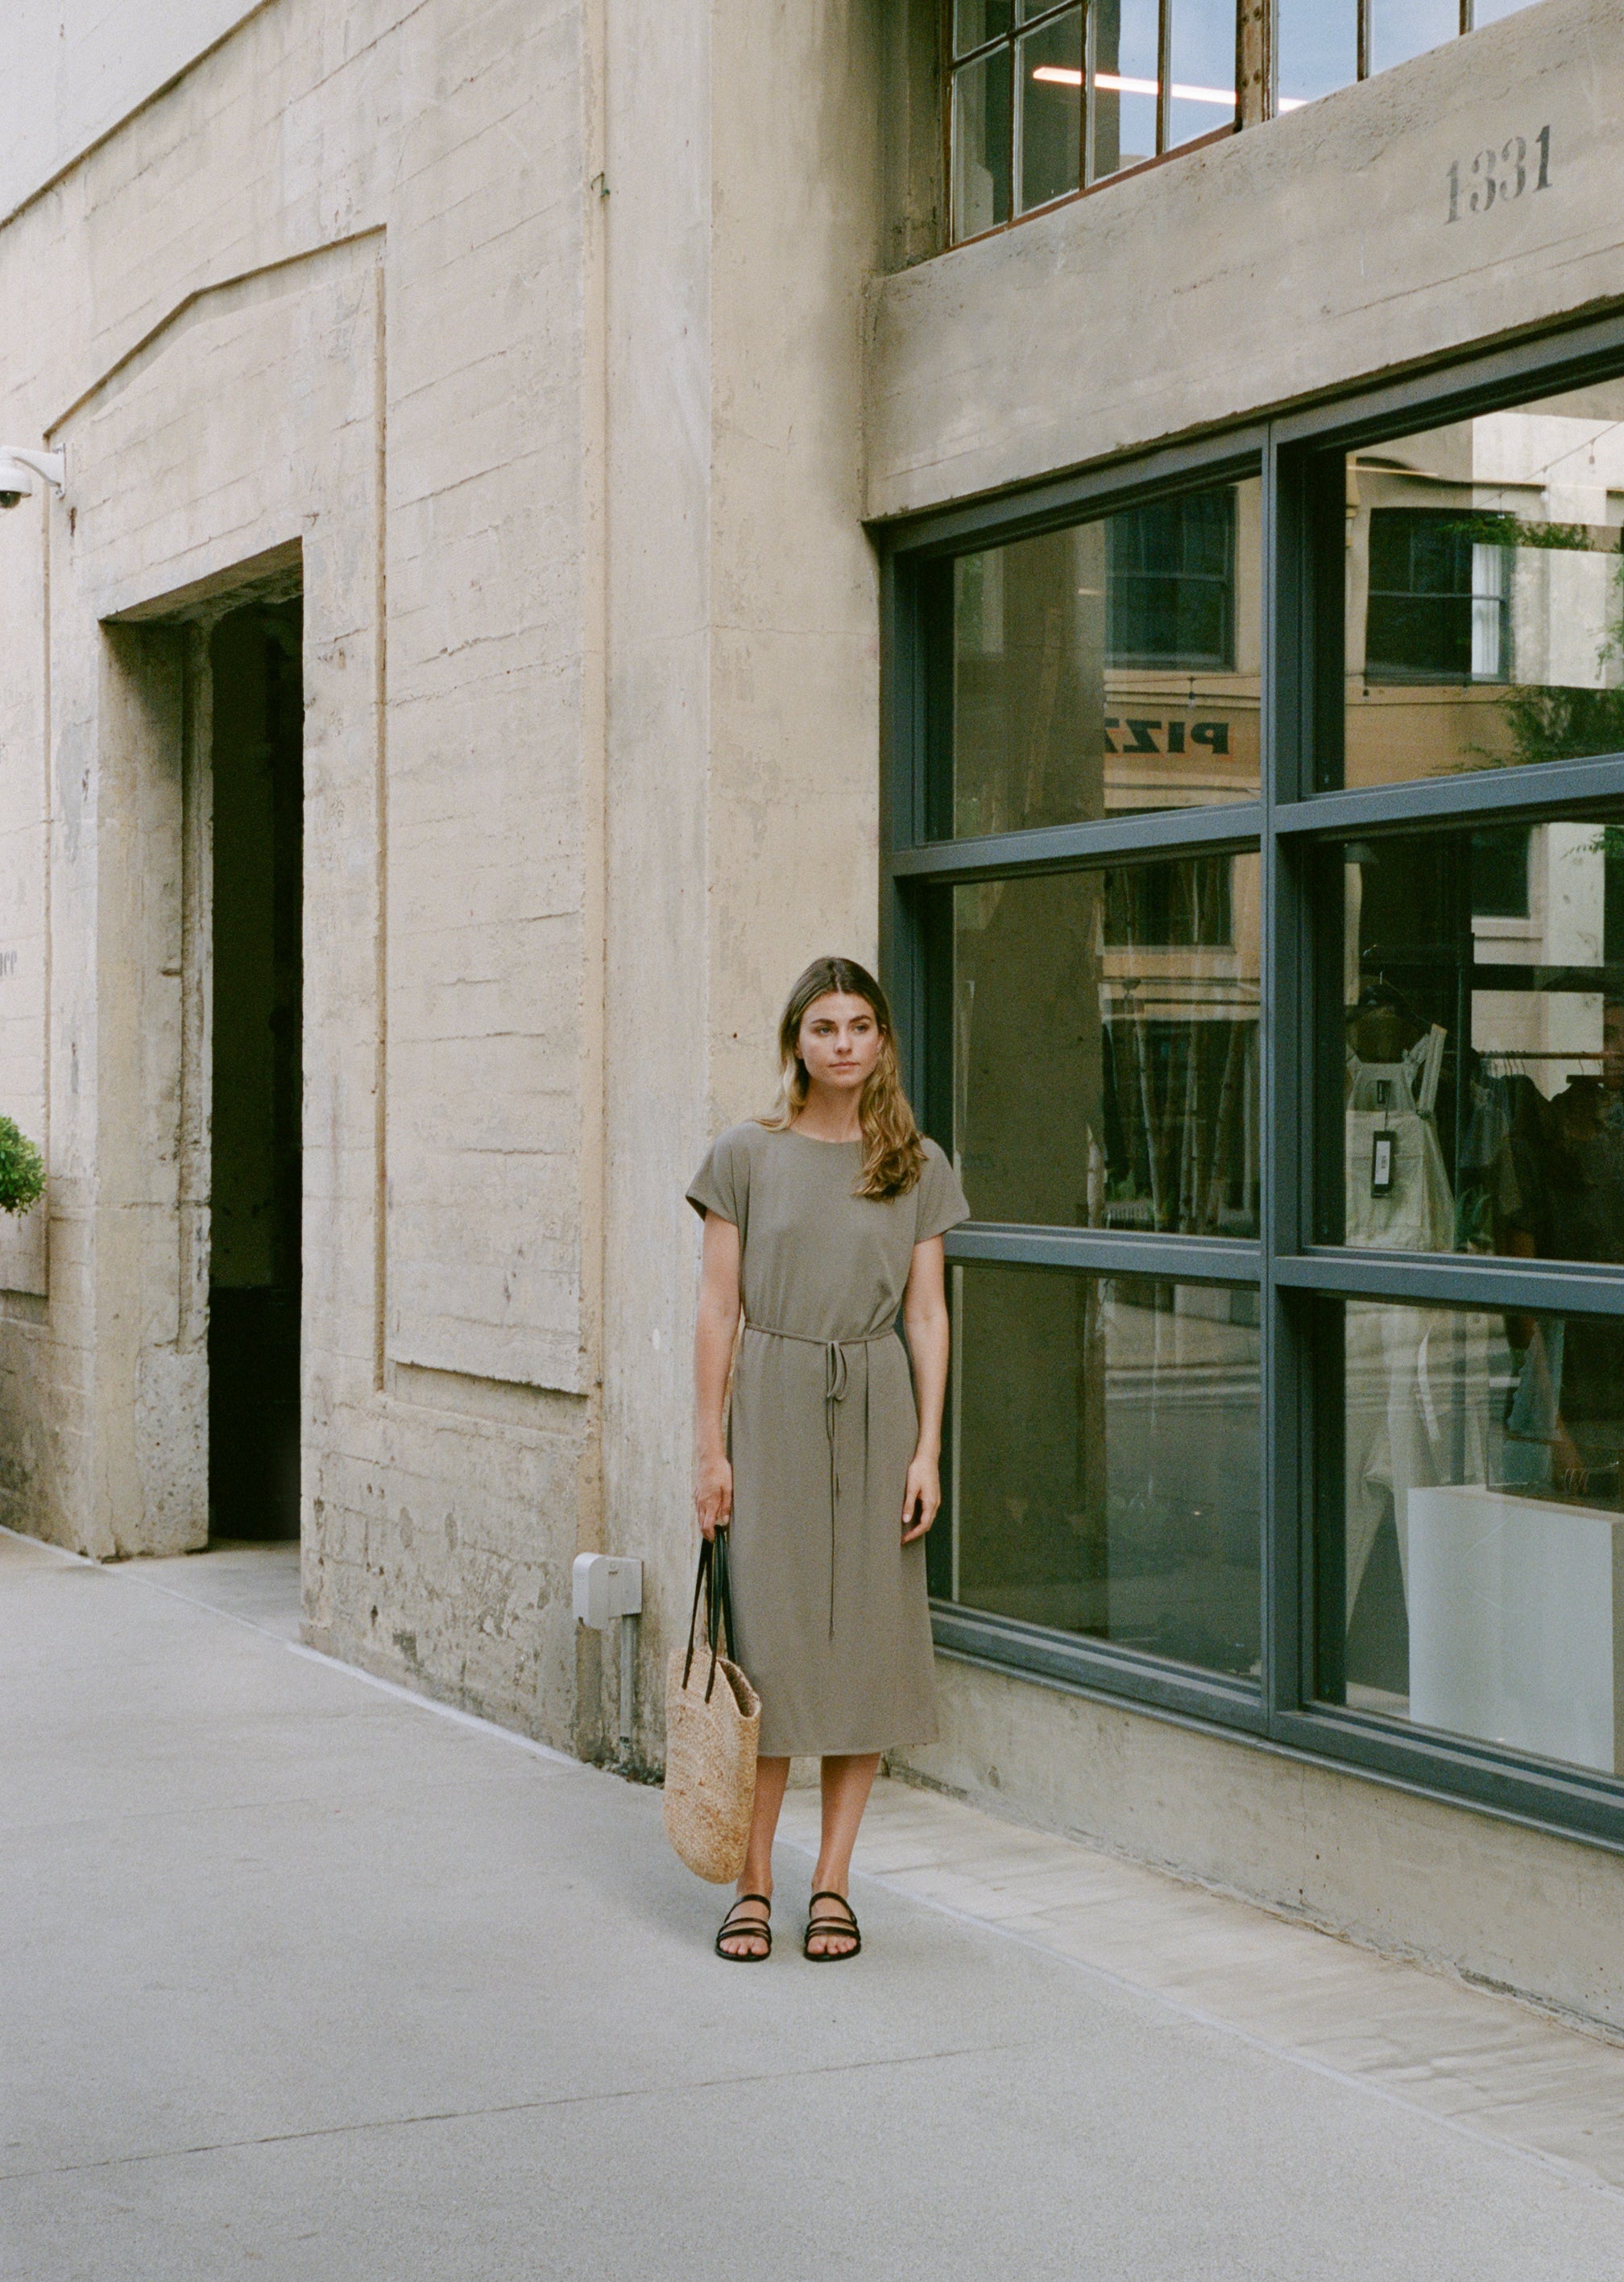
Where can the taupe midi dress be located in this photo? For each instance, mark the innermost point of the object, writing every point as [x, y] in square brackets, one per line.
[834, 1623]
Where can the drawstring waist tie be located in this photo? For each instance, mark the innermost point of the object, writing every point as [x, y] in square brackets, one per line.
[836, 1383]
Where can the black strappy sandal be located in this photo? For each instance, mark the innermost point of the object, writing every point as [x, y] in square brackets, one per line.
[757, 1927]
[846, 1928]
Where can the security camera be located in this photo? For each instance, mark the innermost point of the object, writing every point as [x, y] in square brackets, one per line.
[19, 467]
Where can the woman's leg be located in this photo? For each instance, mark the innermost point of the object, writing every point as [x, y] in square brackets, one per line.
[771, 1780]
[848, 1779]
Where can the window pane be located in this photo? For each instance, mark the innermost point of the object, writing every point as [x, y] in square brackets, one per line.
[1203, 89]
[1402, 28]
[1489, 11]
[1104, 1047]
[1470, 1538]
[980, 144]
[1105, 1460]
[977, 21]
[1126, 32]
[1108, 668]
[1481, 1064]
[1317, 49]
[1485, 610]
[1050, 63]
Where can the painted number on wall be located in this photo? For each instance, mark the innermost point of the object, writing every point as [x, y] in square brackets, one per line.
[1495, 177]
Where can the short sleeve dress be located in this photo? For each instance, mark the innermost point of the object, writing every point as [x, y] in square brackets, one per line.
[833, 1619]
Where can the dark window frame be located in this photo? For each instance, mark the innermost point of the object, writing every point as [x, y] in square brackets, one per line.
[1297, 815]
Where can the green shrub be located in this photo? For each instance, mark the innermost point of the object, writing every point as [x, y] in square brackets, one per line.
[22, 1169]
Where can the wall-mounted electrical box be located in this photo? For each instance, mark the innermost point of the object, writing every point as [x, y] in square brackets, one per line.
[607, 1586]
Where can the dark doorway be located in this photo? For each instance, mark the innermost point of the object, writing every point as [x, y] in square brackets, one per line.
[256, 1177]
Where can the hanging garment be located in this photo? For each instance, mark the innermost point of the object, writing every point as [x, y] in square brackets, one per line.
[1398, 1199]
[1397, 1194]
[1416, 1408]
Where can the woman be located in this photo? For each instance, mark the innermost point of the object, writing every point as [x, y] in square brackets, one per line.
[821, 1221]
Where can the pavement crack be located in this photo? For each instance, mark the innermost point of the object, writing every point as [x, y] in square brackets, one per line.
[500, 2109]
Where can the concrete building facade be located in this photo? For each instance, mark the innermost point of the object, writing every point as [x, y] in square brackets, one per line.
[462, 682]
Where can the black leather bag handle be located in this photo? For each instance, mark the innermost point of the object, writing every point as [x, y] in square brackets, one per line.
[711, 1582]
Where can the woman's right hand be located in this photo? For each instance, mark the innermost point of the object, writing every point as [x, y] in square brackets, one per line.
[713, 1493]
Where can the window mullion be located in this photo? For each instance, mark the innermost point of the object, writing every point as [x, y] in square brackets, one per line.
[1164, 74]
[1281, 1520]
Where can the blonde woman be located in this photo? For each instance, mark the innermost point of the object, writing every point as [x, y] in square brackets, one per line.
[821, 1220]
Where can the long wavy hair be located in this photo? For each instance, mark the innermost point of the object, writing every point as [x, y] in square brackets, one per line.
[893, 1154]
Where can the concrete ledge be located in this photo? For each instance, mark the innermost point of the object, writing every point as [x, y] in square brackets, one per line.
[1501, 1906]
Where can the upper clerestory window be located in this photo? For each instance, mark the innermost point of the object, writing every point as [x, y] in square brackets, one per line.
[1046, 101]
[1320, 46]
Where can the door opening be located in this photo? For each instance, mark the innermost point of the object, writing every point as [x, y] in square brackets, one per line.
[256, 1175]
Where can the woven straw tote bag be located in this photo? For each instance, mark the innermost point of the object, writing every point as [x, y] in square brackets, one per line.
[712, 1725]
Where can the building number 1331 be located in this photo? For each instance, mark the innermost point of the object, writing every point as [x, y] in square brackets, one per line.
[1495, 177]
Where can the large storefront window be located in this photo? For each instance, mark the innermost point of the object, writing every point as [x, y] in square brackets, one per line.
[1481, 1065]
[1484, 625]
[1471, 1552]
[1109, 668]
[1283, 1066]
[1105, 1044]
[1105, 1460]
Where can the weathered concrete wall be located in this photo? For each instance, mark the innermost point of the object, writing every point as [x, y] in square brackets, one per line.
[1298, 256]
[744, 163]
[1464, 1892]
[321, 299]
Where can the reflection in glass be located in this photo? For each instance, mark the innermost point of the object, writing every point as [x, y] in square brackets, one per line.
[1317, 49]
[980, 144]
[1127, 74]
[1105, 1460]
[1109, 668]
[1471, 1574]
[977, 21]
[1049, 64]
[1104, 1047]
[1485, 590]
[1402, 28]
[1203, 95]
[1481, 1065]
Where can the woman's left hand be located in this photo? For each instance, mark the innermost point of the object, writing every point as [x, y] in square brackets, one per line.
[921, 1498]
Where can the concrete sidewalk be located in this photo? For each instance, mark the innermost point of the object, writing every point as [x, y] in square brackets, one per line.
[305, 1979]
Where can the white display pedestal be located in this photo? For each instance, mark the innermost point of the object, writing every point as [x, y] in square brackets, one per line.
[1517, 1623]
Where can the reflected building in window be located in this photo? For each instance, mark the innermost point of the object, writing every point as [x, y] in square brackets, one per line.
[1109, 669]
[1485, 607]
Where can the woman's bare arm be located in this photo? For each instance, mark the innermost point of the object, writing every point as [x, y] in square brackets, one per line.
[924, 1315]
[714, 1328]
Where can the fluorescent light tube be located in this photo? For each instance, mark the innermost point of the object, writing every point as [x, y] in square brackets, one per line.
[1057, 75]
